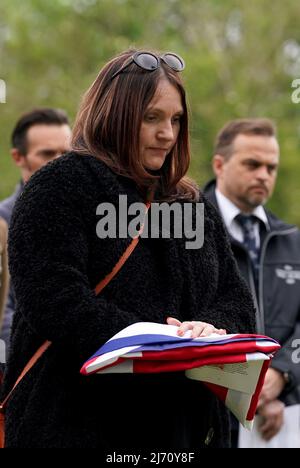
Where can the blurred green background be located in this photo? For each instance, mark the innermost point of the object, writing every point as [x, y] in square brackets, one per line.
[241, 59]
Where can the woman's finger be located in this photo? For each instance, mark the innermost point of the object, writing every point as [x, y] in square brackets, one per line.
[208, 330]
[184, 327]
[197, 330]
[173, 321]
[220, 331]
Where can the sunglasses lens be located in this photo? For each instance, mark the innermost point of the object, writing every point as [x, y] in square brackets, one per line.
[174, 61]
[146, 61]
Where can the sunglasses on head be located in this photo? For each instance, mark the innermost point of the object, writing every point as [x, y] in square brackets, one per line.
[150, 62]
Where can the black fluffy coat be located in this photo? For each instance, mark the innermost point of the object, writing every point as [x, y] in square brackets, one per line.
[56, 260]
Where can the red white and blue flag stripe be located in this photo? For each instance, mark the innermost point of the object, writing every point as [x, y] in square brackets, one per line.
[232, 366]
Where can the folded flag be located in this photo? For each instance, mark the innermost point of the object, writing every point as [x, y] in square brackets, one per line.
[232, 366]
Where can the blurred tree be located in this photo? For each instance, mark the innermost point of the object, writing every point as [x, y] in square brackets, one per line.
[241, 60]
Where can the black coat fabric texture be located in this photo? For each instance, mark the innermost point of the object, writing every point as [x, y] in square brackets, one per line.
[56, 260]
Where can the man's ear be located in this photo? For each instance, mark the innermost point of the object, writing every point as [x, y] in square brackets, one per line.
[218, 164]
[18, 158]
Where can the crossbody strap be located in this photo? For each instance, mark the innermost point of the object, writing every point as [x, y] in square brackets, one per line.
[100, 286]
[104, 282]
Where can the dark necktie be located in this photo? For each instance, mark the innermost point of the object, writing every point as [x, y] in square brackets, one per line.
[247, 223]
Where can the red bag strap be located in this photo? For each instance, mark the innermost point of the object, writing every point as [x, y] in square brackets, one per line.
[100, 286]
[104, 282]
[28, 366]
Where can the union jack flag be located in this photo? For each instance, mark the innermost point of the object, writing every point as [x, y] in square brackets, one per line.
[232, 366]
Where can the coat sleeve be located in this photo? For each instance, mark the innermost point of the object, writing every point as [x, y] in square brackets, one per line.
[232, 307]
[48, 252]
[8, 316]
[288, 357]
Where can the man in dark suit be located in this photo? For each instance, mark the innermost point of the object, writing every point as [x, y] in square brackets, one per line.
[267, 250]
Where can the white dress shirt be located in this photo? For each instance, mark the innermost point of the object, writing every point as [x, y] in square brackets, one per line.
[229, 211]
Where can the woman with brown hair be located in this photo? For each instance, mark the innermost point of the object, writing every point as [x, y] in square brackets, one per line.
[3, 267]
[130, 143]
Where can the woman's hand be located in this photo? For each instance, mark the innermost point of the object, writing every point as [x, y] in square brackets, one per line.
[198, 328]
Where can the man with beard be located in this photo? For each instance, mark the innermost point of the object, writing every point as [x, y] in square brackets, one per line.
[267, 250]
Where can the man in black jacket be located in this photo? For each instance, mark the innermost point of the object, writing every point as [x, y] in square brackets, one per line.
[245, 162]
